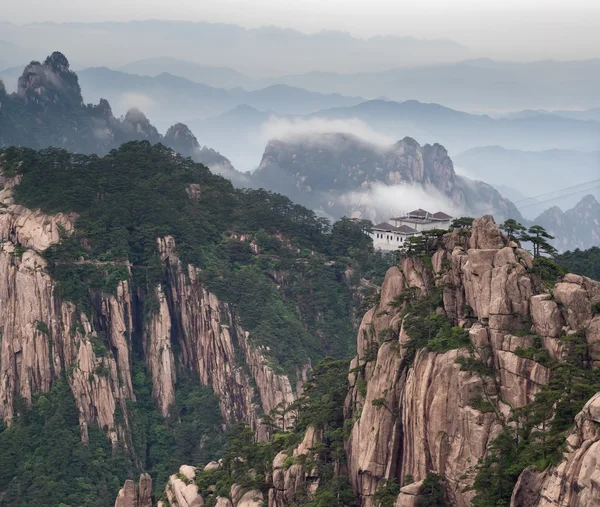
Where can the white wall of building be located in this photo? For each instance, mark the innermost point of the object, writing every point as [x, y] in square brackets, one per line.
[387, 240]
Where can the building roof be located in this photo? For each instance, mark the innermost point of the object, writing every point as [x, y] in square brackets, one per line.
[419, 213]
[440, 215]
[384, 226]
[403, 229]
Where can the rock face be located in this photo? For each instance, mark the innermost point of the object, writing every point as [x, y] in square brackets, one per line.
[574, 482]
[133, 495]
[333, 171]
[415, 415]
[44, 337]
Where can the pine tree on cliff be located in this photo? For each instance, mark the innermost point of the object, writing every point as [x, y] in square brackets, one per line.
[538, 237]
[512, 228]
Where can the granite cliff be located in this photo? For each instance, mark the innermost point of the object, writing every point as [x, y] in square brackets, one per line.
[428, 404]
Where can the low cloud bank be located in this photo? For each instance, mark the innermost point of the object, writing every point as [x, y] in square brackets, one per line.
[380, 202]
[285, 129]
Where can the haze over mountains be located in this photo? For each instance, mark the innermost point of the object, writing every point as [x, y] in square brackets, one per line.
[235, 140]
[189, 256]
[213, 44]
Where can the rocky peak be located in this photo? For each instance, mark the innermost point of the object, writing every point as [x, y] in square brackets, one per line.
[57, 63]
[103, 108]
[182, 140]
[316, 169]
[51, 85]
[138, 126]
[2, 88]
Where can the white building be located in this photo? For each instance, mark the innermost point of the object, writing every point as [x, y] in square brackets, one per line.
[391, 237]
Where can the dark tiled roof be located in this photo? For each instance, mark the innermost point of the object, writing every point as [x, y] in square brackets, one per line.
[419, 213]
[406, 229]
[384, 226]
[440, 215]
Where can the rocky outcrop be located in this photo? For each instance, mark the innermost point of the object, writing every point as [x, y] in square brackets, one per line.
[137, 127]
[210, 342]
[576, 481]
[421, 414]
[290, 482]
[51, 84]
[134, 495]
[44, 337]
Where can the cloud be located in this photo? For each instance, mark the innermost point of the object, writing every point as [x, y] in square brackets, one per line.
[300, 128]
[130, 100]
[380, 202]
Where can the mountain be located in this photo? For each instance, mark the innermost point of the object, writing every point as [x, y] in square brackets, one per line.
[459, 131]
[167, 97]
[342, 174]
[225, 45]
[433, 123]
[219, 77]
[474, 85]
[151, 304]
[158, 322]
[578, 227]
[539, 172]
[48, 110]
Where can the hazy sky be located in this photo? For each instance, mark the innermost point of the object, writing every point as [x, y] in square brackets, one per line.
[550, 28]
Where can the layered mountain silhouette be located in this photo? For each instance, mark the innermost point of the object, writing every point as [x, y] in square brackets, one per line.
[48, 110]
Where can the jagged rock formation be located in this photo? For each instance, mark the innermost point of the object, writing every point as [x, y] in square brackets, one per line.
[578, 227]
[51, 85]
[183, 141]
[134, 495]
[416, 414]
[576, 481]
[48, 110]
[211, 340]
[335, 172]
[43, 337]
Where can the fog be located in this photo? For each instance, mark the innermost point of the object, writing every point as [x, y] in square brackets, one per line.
[507, 29]
[380, 202]
[300, 128]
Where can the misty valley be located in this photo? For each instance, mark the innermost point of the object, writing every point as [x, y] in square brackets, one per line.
[246, 266]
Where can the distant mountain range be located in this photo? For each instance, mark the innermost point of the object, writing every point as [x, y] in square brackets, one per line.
[167, 97]
[224, 45]
[334, 172]
[457, 131]
[474, 85]
[219, 77]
